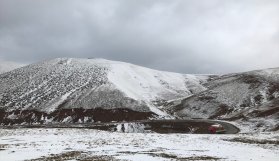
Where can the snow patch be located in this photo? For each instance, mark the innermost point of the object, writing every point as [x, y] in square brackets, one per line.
[60, 101]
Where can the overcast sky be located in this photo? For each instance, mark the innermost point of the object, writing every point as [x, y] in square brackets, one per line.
[188, 36]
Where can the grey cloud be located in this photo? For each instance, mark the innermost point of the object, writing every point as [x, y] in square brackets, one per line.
[182, 36]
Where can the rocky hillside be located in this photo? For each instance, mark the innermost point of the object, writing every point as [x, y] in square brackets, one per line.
[87, 90]
[243, 97]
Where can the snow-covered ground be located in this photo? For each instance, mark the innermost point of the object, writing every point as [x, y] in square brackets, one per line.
[82, 144]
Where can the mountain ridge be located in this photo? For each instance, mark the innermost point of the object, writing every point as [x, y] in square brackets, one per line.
[237, 97]
[79, 90]
[68, 83]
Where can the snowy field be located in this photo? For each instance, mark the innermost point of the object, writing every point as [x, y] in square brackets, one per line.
[88, 144]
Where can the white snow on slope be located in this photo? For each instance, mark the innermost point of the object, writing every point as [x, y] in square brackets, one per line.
[147, 84]
[271, 73]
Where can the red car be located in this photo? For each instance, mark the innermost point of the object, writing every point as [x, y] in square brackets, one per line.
[216, 129]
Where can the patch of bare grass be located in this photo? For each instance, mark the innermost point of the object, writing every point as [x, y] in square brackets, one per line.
[174, 157]
[74, 155]
[60, 157]
[200, 158]
[253, 141]
[3, 146]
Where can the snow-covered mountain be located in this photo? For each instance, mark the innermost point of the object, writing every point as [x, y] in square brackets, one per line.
[245, 96]
[72, 90]
[6, 66]
[87, 90]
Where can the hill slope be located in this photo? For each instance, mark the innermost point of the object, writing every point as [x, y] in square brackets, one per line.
[240, 97]
[74, 90]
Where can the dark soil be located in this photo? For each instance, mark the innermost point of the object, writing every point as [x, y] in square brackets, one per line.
[170, 156]
[163, 155]
[174, 157]
[205, 98]
[273, 87]
[77, 115]
[200, 158]
[276, 128]
[234, 118]
[253, 80]
[250, 141]
[147, 126]
[3, 146]
[258, 99]
[74, 155]
[266, 113]
[222, 110]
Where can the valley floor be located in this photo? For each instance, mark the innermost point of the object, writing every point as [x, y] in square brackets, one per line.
[88, 144]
